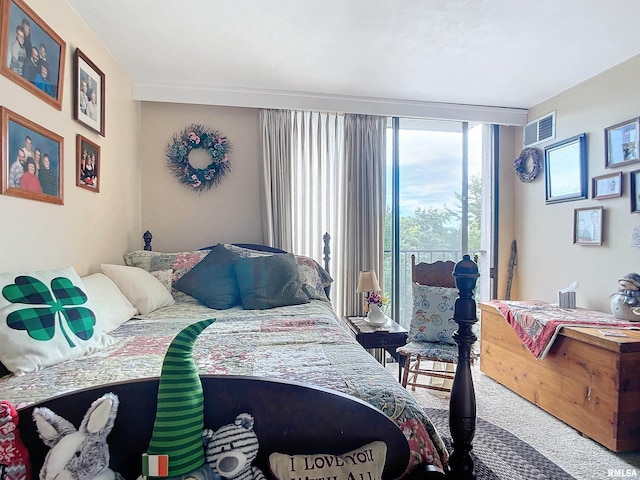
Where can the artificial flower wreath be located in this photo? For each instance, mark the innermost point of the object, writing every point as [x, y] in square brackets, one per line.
[198, 136]
[527, 165]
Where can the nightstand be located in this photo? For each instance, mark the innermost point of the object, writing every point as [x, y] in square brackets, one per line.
[385, 338]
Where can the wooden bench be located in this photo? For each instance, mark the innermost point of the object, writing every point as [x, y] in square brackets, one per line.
[588, 380]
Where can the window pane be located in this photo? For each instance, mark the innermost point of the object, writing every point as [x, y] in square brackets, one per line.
[430, 198]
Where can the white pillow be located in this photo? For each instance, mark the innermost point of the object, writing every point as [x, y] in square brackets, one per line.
[365, 462]
[145, 292]
[112, 306]
[46, 317]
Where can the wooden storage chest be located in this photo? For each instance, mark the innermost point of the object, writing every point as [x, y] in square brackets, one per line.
[588, 380]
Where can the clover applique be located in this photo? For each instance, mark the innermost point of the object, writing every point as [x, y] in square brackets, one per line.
[40, 320]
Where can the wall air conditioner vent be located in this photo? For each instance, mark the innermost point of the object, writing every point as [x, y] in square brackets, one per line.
[540, 130]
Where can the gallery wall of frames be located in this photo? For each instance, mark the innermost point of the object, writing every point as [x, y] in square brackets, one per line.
[32, 156]
[567, 178]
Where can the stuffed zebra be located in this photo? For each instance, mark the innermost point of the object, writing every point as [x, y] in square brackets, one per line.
[230, 450]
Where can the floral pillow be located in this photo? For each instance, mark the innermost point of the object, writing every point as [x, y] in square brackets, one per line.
[314, 278]
[432, 315]
[168, 268]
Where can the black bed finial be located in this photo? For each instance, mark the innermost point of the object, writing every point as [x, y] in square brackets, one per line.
[462, 405]
[147, 240]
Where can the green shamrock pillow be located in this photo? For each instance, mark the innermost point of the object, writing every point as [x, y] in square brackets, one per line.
[46, 318]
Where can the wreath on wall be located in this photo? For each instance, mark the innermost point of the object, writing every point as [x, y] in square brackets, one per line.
[212, 142]
[527, 165]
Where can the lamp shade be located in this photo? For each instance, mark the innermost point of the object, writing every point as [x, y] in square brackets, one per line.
[368, 282]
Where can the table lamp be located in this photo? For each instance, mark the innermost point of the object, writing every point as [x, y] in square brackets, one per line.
[367, 283]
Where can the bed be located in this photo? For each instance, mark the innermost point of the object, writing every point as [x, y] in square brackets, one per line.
[297, 344]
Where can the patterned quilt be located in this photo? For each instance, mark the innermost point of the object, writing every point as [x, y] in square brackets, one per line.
[538, 323]
[303, 343]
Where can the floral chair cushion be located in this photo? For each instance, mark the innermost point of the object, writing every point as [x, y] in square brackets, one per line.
[432, 315]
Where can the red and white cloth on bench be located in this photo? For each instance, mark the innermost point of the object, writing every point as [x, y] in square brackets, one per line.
[537, 323]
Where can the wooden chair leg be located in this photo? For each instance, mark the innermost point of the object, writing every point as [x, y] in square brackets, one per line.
[405, 374]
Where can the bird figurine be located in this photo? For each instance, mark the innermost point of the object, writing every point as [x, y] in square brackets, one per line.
[625, 303]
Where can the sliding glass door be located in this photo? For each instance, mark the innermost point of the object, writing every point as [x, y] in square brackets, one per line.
[435, 185]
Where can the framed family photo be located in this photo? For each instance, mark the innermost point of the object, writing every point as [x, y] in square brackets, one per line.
[565, 166]
[88, 93]
[31, 160]
[621, 143]
[634, 189]
[587, 226]
[87, 164]
[33, 53]
[607, 186]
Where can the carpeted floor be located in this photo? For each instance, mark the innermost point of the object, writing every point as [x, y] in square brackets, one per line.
[578, 456]
[499, 455]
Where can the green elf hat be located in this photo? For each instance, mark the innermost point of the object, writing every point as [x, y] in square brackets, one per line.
[176, 446]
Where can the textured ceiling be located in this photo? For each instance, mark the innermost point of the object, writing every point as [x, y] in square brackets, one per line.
[505, 53]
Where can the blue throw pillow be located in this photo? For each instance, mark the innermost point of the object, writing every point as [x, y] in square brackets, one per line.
[212, 281]
[268, 282]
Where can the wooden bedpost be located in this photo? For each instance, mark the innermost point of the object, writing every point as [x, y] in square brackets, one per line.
[147, 240]
[462, 405]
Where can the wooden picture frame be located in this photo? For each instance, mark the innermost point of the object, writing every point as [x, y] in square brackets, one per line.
[621, 143]
[25, 142]
[43, 78]
[88, 93]
[607, 186]
[88, 162]
[587, 225]
[565, 165]
[634, 190]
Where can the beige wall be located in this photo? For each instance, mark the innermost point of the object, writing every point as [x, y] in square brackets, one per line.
[547, 258]
[90, 228]
[181, 219]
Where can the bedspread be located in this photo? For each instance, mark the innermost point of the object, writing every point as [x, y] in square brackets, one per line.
[538, 323]
[303, 343]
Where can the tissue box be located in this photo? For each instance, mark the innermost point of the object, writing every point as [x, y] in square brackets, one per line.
[566, 299]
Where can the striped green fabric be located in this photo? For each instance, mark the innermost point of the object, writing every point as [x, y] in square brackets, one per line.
[177, 430]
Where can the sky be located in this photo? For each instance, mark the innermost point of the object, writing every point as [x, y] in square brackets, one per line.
[431, 166]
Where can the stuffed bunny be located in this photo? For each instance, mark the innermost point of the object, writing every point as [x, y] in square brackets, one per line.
[81, 454]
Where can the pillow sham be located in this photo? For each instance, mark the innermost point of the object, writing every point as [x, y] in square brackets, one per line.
[46, 317]
[143, 290]
[432, 314]
[111, 305]
[269, 281]
[213, 280]
[314, 278]
[365, 462]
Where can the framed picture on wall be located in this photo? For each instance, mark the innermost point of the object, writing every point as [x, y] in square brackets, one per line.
[634, 190]
[607, 186]
[87, 164]
[31, 160]
[621, 143]
[33, 53]
[565, 165]
[587, 226]
[88, 93]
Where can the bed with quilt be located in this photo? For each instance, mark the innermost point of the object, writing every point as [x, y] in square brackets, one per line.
[272, 320]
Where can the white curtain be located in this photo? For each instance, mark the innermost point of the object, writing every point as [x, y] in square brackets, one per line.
[320, 179]
[277, 155]
[363, 191]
